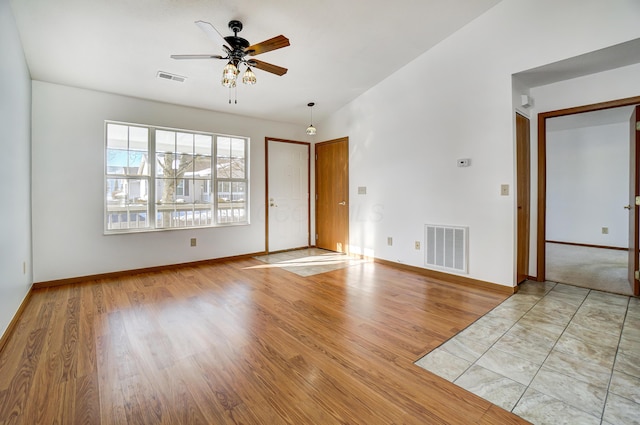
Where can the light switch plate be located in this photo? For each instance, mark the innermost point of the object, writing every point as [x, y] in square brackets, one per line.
[504, 190]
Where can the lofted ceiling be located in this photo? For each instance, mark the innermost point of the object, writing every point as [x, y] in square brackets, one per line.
[339, 48]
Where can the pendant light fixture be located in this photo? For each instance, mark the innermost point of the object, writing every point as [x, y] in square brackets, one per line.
[311, 130]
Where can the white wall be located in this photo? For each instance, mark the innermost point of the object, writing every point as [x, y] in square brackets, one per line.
[68, 177]
[588, 185]
[15, 172]
[455, 101]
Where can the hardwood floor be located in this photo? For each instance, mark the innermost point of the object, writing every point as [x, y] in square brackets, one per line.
[240, 343]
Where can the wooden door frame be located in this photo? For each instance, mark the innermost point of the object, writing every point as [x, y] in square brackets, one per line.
[326, 142]
[542, 168]
[523, 178]
[266, 190]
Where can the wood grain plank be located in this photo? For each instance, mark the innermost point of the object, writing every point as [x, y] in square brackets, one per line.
[87, 400]
[16, 397]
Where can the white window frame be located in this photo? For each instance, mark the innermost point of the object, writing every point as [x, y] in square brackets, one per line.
[212, 216]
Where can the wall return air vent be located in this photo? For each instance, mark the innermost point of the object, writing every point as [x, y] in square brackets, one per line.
[446, 247]
[173, 77]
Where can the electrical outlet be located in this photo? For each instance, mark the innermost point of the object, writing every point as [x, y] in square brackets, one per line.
[193, 241]
[605, 230]
[389, 241]
[417, 245]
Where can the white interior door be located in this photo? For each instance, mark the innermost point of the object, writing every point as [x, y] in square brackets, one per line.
[287, 195]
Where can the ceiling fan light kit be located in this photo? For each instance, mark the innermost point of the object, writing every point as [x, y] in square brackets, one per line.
[236, 49]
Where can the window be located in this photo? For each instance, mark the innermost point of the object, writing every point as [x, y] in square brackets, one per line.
[159, 178]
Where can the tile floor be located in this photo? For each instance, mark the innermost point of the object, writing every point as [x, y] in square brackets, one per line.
[551, 354]
[310, 261]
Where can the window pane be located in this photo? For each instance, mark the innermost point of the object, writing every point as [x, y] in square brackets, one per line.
[138, 164]
[232, 203]
[237, 168]
[165, 141]
[237, 159]
[237, 148]
[223, 167]
[202, 216]
[170, 165]
[127, 204]
[238, 191]
[184, 143]
[201, 193]
[165, 215]
[223, 157]
[139, 139]
[223, 145]
[202, 144]
[166, 191]
[184, 189]
[116, 161]
[202, 166]
[117, 136]
[239, 204]
[184, 165]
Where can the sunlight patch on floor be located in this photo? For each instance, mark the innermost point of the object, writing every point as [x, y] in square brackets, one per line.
[308, 262]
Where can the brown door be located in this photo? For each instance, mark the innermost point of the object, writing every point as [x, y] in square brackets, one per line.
[634, 192]
[332, 195]
[523, 175]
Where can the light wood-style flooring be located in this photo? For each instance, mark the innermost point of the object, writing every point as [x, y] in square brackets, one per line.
[240, 343]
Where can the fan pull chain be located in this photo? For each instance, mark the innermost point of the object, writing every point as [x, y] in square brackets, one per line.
[235, 89]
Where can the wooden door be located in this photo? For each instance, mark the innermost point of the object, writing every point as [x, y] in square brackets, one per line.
[523, 159]
[288, 200]
[332, 195]
[634, 192]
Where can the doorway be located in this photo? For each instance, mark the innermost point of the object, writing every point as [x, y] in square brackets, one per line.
[287, 195]
[332, 195]
[577, 188]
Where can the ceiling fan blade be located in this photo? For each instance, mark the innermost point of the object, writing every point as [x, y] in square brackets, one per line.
[274, 69]
[213, 34]
[196, 57]
[274, 43]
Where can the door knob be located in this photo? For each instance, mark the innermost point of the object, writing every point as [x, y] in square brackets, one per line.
[627, 207]
[342, 203]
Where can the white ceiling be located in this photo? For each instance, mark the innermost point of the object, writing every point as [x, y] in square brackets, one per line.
[339, 48]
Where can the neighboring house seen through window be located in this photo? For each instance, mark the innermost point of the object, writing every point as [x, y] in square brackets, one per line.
[159, 178]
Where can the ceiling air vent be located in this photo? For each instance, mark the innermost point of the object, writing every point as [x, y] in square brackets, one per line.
[166, 76]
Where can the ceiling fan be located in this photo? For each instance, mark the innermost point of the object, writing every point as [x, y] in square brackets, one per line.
[236, 49]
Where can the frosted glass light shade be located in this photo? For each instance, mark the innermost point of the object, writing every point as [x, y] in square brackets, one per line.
[230, 83]
[229, 74]
[311, 130]
[249, 77]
